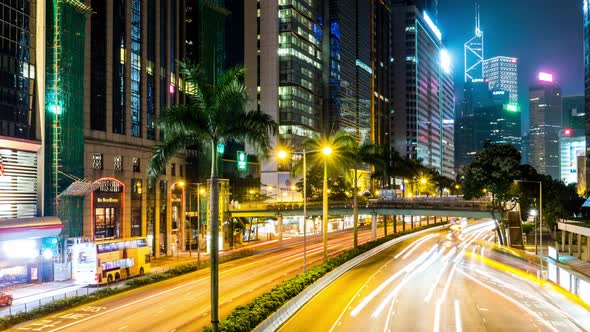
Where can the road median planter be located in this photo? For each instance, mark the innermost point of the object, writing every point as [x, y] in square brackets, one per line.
[247, 317]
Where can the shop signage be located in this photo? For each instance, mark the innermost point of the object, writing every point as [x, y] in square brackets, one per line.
[107, 200]
[109, 186]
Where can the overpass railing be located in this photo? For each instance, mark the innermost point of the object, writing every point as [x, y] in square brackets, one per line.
[454, 203]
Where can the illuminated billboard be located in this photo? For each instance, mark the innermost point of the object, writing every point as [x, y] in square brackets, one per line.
[545, 77]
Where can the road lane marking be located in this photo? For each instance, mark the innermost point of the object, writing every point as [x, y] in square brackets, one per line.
[458, 323]
[123, 327]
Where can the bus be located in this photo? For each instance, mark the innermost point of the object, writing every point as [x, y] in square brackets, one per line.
[101, 262]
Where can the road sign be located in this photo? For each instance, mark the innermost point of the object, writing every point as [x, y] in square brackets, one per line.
[242, 161]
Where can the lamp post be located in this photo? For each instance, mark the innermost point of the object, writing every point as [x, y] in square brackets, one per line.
[534, 214]
[540, 217]
[326, 151]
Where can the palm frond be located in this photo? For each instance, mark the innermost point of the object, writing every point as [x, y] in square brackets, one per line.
[254, 128]
[184, 119]
[165, 150]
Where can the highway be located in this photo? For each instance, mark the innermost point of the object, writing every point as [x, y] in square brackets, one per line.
[430, 284]
[183, 303]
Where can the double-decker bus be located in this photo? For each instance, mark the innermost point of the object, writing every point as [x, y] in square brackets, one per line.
[109, 261]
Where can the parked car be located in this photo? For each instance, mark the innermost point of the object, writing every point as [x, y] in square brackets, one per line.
[5, 299]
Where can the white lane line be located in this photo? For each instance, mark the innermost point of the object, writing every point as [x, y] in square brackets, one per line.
[123, 327]
[436, 327]
[458, 323]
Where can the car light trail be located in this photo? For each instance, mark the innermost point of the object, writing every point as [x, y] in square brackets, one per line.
[413, 246]
[517, 303]
[436, 327]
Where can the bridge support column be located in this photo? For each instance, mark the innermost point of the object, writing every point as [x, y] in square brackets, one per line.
[580, 246]
[569, 243]
[280, 227]
[411, 222]
[563, 241]
[385, 225]
[373, 227]
[588, 249]
[394, 224]
[427, 220]
[403, 223]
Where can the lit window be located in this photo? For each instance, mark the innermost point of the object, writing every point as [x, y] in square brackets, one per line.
[97, 160]
[118, 163]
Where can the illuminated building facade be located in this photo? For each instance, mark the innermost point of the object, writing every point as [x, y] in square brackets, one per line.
[586, 29]
[283, 57]
[473, 52]
[545, 125]
[131, 70]
[422, 121]
[572, 145]
[27, 238]
[502, 73]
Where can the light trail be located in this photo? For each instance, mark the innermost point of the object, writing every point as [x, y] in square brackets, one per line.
[515, 302]
[436, 327]
[413, 246]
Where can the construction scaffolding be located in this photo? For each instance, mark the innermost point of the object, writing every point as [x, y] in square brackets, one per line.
[64, 110]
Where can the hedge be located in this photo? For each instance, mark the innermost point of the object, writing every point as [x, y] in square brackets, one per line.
[71, 302]
[245, 318]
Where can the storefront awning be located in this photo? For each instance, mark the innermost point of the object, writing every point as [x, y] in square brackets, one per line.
[79, 188]
[29, 228]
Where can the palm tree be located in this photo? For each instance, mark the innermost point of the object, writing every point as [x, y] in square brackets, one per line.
[363, 154]
[335, 154]
[215, 113]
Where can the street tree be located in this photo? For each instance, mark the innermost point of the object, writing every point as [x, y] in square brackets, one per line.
[493, 170]
[213, 114]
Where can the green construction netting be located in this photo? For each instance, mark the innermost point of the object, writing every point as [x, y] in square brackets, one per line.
[64, 109]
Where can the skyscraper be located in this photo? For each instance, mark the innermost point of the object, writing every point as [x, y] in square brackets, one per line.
[473, 52]
[22, 122]
[545, 125]
[423, 100]
[502, 73]
[572, 139]
[283, 57]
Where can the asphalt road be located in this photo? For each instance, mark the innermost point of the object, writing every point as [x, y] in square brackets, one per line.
[429, 284]
[183, 303]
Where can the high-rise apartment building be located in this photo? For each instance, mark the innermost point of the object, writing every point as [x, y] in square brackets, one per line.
[545, 125]
[502, 73]
[422, 122]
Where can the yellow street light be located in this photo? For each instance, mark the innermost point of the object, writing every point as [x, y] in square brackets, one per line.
[457, 187]
[327, 150]
[410, 195]
[423, 180]
[202, 191]
[282, 154]
[485, 190]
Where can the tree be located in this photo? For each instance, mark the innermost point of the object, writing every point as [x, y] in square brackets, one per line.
[363, 154]
[493, 170]
[214, 113]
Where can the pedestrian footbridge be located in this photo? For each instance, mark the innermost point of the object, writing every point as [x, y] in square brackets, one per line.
[418, 206]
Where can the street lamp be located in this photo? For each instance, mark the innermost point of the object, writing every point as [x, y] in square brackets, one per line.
[326, 151]
[540, 218]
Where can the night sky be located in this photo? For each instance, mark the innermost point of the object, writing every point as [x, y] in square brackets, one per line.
[543, 34]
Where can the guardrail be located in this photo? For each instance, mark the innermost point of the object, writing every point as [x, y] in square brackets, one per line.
[290, 308]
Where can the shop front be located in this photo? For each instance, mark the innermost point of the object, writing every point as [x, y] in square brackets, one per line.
[107, 209]
[27, 248]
